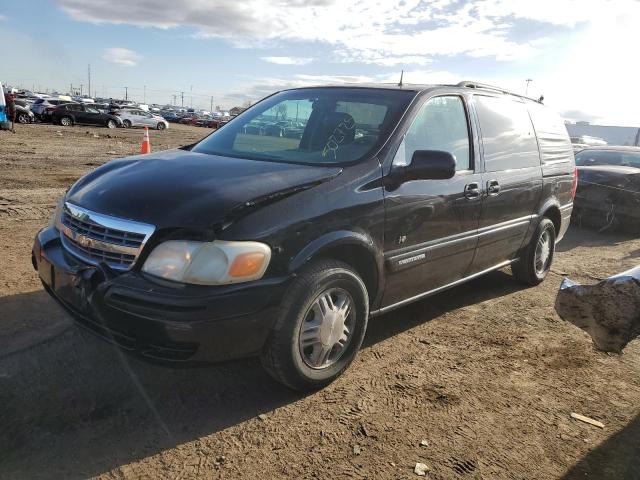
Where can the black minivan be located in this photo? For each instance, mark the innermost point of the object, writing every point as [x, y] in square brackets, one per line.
[282, 242]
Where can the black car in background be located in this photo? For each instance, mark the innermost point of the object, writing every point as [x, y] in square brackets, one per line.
[283, 247]
[608, 187]
[77, 113]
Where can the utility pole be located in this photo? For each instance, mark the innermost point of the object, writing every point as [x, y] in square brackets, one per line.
[80, 89]
[191, 102]
[89, 74]
[126, 93]
[71, 89]
[526, 92]
[182, 98]
[211, 107]
[144, 95]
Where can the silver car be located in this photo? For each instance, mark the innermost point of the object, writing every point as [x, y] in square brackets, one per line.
[140, 118]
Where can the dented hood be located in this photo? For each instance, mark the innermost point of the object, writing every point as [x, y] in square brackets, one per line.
[182, 189]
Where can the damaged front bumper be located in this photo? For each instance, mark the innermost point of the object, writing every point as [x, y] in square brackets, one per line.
[608, 311]
[158, 319]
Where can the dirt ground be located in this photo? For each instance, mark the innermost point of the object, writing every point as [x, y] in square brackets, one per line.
[486, 374]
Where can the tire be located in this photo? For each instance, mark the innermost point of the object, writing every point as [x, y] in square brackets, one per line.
[111, 124]
[66, 121]
[531, 269]
[23, 118]
[126, 123]
[293, 361]
[161, 126]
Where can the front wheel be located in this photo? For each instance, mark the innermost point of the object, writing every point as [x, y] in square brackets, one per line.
[126, 123]
[535, 263]
[111, 124]
[161, 126]
[318, 328]
[23, 118]
[66, 121]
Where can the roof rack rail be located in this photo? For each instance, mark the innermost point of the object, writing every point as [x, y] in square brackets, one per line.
[471, 84]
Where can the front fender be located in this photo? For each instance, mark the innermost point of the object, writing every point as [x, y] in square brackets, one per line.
[331, 242]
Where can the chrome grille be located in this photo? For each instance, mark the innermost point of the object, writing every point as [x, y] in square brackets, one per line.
[98, 238]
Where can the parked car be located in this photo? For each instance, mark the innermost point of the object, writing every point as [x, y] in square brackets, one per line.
[23, 113]
[608, 186]
[140, 118]
[43, 107]
[171, 117]
[189, 120]
[77, 113]
[215, 122]
[283, 247]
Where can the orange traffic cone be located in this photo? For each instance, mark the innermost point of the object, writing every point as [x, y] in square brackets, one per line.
[146, 145]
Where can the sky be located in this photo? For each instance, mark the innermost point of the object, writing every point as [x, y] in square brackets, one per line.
[579, 54]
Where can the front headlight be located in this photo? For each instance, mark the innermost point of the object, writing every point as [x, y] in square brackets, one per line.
[208, 263]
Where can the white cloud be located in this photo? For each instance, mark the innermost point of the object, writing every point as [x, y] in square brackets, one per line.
[121, 56]
[388, 33]
[576, 51]
[288, 60]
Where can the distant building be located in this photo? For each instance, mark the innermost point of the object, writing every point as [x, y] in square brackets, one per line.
[629, 136]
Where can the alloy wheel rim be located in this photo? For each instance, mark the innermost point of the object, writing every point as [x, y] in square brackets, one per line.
[543, 252]
[327, 328]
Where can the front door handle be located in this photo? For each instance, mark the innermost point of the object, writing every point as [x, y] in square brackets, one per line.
[472, 190]
[493, 188]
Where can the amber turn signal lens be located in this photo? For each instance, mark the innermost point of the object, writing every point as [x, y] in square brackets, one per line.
[247, 264]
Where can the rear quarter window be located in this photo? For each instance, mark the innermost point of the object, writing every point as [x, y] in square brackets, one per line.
[508, 136]
[553, 139]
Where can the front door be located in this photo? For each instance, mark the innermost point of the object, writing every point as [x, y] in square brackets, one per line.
[431, 225]
[93, 115]
[512, 180]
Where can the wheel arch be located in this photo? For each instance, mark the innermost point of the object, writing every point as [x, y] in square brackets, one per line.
[551, 210]
[356, 249]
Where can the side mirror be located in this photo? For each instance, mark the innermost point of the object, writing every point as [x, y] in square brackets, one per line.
[430, 165]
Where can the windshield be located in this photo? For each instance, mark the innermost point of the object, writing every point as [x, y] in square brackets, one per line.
[608, 157]
[311, 126]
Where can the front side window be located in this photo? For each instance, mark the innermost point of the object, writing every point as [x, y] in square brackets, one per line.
[311, 126]
[441, 124]
[91, 110]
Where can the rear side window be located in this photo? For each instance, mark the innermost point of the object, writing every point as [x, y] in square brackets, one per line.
[507, 134]
[545, 120]
[441, 124]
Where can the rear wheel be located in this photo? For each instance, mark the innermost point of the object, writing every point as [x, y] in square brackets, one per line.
[23, 118]
[66, 121]
[319, 327]
[127, 123]
[111, 124]
[535, 263]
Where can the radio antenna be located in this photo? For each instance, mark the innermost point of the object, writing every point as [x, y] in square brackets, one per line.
[401, 75]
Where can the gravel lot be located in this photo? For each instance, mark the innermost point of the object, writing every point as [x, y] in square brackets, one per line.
[486, 374]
